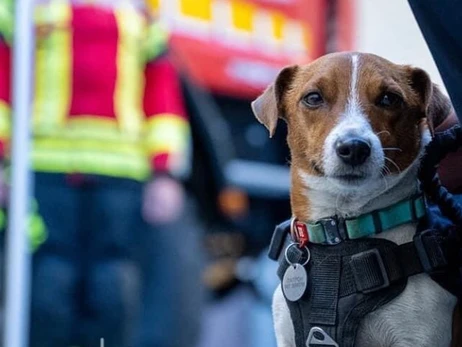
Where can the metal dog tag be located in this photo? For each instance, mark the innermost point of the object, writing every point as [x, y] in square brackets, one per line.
[294, 282]
[319, 337]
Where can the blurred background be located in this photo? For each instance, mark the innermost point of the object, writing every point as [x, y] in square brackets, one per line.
[210, 185]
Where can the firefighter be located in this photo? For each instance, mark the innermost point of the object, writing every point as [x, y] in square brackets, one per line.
[110, 141]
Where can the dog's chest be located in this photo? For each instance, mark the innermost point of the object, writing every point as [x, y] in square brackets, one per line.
[420, 316]
[424, 308]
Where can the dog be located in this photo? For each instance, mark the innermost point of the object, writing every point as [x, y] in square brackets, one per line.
[357, 128]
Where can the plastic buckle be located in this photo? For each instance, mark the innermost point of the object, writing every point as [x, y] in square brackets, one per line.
[278, 239]
[438, 261]
[362, 261]
[331, 228]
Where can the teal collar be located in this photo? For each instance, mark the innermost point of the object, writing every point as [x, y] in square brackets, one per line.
[333, 230]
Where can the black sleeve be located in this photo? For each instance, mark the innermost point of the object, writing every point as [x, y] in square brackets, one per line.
[441, 24]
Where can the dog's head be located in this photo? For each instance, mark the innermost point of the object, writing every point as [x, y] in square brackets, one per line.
[354, 119]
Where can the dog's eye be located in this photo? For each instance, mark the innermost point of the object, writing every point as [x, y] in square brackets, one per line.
[389, 99]
[313, 99]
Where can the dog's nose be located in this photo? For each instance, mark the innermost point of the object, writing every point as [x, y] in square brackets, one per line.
[353, 150]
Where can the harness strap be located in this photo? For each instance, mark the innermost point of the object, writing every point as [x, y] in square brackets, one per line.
[353, 278]
[427, 253]
[372, 270]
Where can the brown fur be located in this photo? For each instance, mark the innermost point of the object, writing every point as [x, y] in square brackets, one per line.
[397, 127]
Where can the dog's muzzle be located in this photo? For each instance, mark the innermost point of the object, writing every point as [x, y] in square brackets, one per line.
[353, 151]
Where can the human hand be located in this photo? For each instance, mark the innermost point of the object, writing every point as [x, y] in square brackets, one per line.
[163, 200]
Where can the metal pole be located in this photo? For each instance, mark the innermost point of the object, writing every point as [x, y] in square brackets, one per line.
[18, 257]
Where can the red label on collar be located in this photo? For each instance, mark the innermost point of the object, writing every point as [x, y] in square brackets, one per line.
[300, 233]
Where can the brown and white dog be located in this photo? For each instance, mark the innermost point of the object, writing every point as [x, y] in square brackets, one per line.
[357, 127]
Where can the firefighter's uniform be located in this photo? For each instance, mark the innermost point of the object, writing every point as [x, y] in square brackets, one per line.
[107, 114]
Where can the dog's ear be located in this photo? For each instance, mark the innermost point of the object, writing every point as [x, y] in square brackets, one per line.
[439, 109]
[437, 105]
[421, 84]
[268, 107]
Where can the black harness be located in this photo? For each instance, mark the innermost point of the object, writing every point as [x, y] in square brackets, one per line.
[347, 280]
[353, 278]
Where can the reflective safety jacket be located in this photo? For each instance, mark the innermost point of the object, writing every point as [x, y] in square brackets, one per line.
[107, 99]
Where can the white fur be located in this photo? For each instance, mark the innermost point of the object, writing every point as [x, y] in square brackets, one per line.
[329, 199]
[353, 105]
[422, 314]
[353, 122]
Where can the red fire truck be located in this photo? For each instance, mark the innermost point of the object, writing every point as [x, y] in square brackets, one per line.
[229, 51]
[235, 47]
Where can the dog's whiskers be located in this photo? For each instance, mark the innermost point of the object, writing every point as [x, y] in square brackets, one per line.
[392, 149]
[395, 165]
[385, 170]
[383, 132]
[384, 180]
[337, 207]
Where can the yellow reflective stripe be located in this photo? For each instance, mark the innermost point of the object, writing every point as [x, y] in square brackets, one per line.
[6, 19]
[167, 133]
[90, 163]
[89, 145]
[53, 66]
[87, 134]
[156, 42]
[103, 161]
[130, 80]
[93, 121]
[5, 120]
[97, 128]
[37, 231]
[90, 127]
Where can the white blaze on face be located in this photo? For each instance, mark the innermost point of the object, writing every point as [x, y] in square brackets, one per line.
[353, 123]
[325, 193]
[353, 106]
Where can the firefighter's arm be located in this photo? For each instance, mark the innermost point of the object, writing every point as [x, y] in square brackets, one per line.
[167, 141]
[166, 127]
[167, 133]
